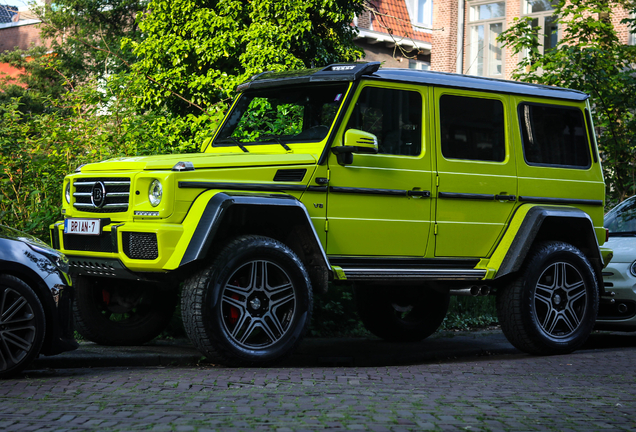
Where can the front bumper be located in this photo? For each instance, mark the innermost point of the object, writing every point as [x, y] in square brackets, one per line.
[122, 249]
[618, 312]
[60, 334]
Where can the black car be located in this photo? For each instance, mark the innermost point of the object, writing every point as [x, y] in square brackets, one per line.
[35, 301]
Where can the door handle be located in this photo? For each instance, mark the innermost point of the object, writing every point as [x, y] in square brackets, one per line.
[419, 193]
[505, 198]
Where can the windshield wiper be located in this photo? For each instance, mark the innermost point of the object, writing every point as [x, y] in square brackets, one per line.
[277, 139]
[234, 141]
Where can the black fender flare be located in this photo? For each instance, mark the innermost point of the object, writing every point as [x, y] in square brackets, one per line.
[218, 207]
[568, 224]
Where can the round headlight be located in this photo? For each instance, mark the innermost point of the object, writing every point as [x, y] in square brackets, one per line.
[632, 268]
[67, 193]
[155, 193]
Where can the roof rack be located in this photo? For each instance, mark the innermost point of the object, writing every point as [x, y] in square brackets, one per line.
[333, 72]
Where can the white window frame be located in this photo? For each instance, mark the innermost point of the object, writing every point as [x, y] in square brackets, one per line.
[425, 10]
[485, 53]
[541, 17]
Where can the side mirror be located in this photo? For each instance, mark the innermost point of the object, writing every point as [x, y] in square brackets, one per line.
[355, 141]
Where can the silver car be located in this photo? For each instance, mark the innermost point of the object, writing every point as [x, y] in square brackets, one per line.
[619, 312]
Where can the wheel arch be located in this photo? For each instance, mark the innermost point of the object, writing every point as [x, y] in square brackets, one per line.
[281, 217]
[43, 293]
[540, 223]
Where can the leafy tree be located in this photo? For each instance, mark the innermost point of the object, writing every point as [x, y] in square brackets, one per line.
[195, 52]
[85, 42]
[589, 57]
[85, 35]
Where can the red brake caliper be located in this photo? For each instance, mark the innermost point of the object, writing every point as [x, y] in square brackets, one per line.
[234, 311]
[106, 297]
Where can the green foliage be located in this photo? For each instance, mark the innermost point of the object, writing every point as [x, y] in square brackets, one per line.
[466, 313]
[335, 314]
[590, 58]
[195, 52]
[283, 119]
[85, 35]
[89, 124]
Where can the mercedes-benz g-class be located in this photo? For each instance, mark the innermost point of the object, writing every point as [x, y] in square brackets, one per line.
[408, 185]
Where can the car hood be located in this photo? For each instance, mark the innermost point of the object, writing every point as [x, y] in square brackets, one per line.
[13, 234]
[624, 248]
[200, 161]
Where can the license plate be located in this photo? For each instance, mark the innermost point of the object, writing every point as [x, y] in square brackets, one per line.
[82, 226]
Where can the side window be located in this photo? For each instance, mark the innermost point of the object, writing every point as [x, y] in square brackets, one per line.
[394, 116]
[554, 135]
[472, 128]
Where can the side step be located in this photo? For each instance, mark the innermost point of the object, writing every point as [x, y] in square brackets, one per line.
[362, 273]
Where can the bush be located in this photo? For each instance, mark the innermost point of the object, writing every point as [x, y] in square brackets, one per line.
[91, 123]
[467, 313]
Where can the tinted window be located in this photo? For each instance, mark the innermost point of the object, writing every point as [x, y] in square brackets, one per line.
[621, 220]
[472, 128]
[554, 135]
[394, 116]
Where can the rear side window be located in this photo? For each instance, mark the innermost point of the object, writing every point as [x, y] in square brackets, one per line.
[554, 136]
[393, 116]
[472, 128]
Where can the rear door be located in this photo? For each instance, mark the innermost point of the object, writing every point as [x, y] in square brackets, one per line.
[476, 172]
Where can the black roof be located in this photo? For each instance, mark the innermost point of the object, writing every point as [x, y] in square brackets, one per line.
[355, 71]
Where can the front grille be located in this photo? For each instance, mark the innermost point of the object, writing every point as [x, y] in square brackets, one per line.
[116, 198]
[100, 243]
[140, 245]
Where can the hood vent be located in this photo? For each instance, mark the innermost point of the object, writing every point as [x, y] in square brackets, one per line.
[290, 175]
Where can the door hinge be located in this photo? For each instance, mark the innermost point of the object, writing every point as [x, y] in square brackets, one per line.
[435, 229]
[437, 181]
[326, 225]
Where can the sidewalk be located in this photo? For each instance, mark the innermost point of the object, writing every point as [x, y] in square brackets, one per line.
[311, 352]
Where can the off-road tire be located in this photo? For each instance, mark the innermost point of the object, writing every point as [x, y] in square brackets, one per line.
[400, 314]
[551, 306]
[100, 318]
[232, 319]
[23, 328]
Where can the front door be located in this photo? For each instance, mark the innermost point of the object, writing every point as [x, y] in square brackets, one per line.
[380, 204]
[477, 179]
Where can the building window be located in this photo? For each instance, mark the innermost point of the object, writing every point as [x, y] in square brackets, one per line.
[541, 13]
[418, 64]
[486, 22]
[421, 12]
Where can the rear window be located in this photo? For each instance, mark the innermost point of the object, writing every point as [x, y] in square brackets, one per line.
[554, 136]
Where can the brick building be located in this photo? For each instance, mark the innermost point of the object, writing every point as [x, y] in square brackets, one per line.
[19, 28]
[464, 40]
[396, 32]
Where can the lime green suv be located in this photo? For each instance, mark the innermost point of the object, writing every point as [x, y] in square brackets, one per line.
[409, 185]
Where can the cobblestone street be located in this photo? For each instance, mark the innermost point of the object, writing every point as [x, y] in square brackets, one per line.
[591, 389]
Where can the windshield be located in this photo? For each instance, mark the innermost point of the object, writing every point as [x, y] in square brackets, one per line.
[621, 220]
[279, 115]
